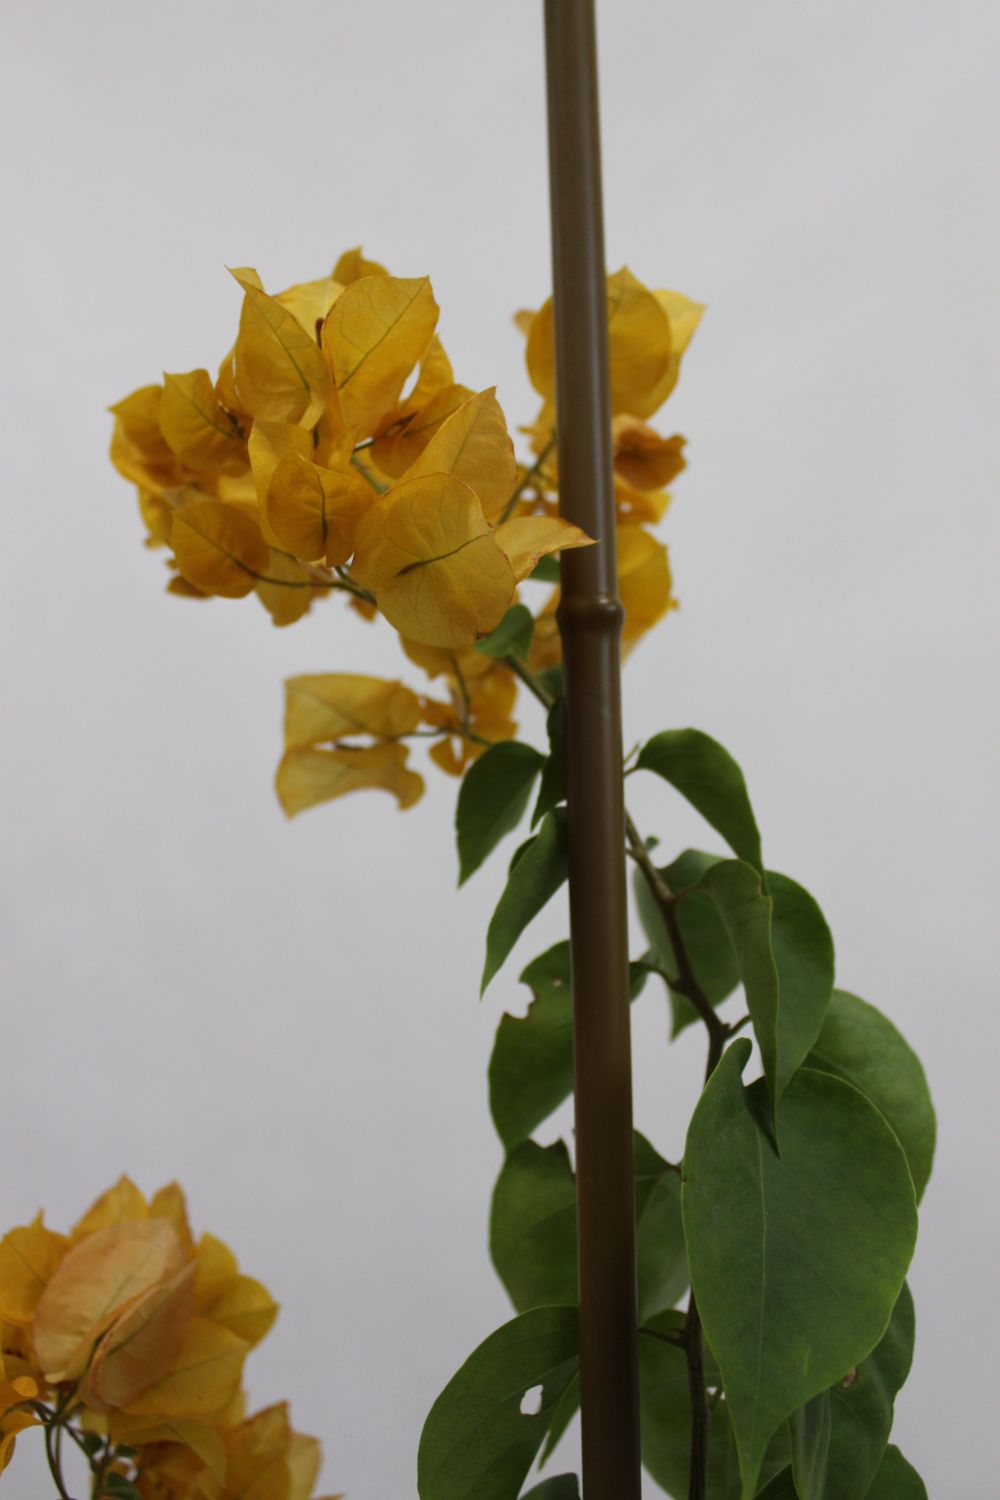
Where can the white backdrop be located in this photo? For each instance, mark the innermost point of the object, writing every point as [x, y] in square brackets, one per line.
[285, 1016]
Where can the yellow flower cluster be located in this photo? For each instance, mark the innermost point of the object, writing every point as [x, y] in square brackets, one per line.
[128, 1337]
[307, 467]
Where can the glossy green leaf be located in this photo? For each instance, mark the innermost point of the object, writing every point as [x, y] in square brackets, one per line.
[566, 1409]
[706, 774]
[781, 1487]
[665, 1422]
[491, 801]
[476, 1440]
[533, 881]
[859, 1043]
[796, 1260]
[533, 1228]
[531, 1067]
[559, 1487]
[896, 1479]
[546, 570]
[706, 940]
[839, 1437]
[512, 637]
[553, 788]
[661, 1255]
[786, 959]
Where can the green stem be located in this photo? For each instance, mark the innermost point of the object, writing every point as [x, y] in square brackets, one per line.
[526, 479]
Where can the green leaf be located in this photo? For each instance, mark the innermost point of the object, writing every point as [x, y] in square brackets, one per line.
[531, 1067]
[559, 1487]
[859, 1043]
[661, 1254]
[512, 637]
[476, 1440]
[665, 1422]
[797, 1260]
[781, 1487]
[709, 949]
[551, 679]
[706, 774]
[896, 1479]
[839, 1437]
[491, 800]
[553, 788]
[546, 570]
[533, 1242]
[533, 1226]
[566, 1409]
[533, 880]
[785, 955]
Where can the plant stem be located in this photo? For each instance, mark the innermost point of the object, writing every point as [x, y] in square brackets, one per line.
[526, 479]
[52, 1426]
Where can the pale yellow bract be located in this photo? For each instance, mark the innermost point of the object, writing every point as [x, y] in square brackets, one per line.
[337, 454]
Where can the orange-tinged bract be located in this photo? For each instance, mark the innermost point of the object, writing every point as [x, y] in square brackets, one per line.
[135, 1335]
[337, 454]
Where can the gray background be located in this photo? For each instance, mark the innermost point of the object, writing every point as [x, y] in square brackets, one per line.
[285, 1016]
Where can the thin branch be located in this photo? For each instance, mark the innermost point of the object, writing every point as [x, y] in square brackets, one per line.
[529, 475]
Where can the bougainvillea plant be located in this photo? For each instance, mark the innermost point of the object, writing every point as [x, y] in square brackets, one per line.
[334, 454]
[125, 1340]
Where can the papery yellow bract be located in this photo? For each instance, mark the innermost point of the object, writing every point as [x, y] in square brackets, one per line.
[218, 547]
[473, 445]
[97, 1278]
[11, 1423]
[352, 266]
[644, 348]
[332, 706]
[431, 559]
[29, 1257]
[306, 776]
[289, 588]
[312, 511]
[642, 457]
[527, 539]
[141, 1345]
[138, 449]
[202, 1377]
[310, 301]
[245, 1308]
[269, 443]
[644, 582]
[400, 439]
[377, 330]
[196, 428]
[122, 1203]
[280, 372]
[482, 703]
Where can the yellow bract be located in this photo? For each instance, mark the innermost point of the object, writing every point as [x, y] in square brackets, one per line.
[269, 443]
[402, 438]
[377, 331]
[527, 539]
[218, 548]
[307, 777]
[29, 1258]
[352, 266]
[473, 445]
[280, 371]
[644, 345]
[142, 1344]
[313, 512]
[431, 559]
[334, 706]
[643, 580]
[196, 428]
[97, 1278]
[202, 1377]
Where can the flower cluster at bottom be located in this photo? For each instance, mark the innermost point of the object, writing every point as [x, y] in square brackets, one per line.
[127, 1338]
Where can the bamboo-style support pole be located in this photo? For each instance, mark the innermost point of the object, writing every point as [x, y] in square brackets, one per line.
[590, 619]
